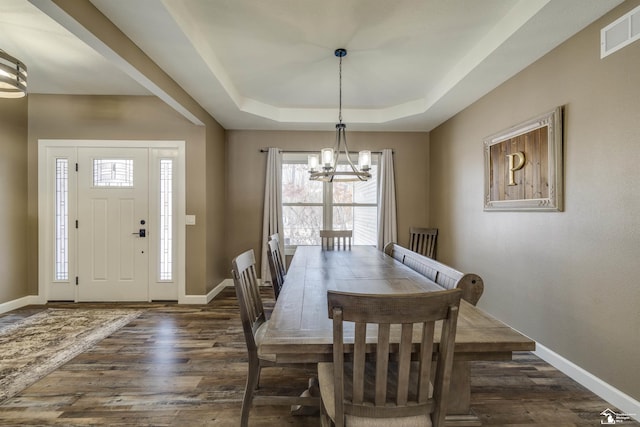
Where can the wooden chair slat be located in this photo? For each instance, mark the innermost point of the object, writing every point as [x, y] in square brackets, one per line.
[359, 356]
[424, 369]
[404, 364]
[382, 363]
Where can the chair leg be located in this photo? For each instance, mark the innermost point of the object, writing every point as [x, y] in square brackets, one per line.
[253, 377]
[325, 420]
[257, 387]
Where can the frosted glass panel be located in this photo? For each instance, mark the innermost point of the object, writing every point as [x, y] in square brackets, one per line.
[112, 173]
[62, 220]
[166, 219]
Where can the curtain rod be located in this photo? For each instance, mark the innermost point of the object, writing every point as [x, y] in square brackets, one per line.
[265, 150]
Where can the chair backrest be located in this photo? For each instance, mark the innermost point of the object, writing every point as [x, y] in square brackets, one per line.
[423, 241]
[336, 239]
[283, 266]
[277, 277]
[245, 281]
[393, 387]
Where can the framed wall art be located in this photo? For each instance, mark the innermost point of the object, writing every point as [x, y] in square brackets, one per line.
[524, 166]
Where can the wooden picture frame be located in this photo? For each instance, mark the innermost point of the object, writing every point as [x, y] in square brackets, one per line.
[524, 166]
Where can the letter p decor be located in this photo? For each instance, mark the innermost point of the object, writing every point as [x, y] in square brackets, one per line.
[515, 166]
[523, 166]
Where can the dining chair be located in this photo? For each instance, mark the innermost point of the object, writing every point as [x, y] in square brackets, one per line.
[254, 326]
[335, 239]
[423, 241]
[389, 384]
[275, 266]
[283, 265]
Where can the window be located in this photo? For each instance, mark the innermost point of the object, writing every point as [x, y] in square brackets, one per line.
[166, 220]
[61, 272]
[309, 206]
[112, 173]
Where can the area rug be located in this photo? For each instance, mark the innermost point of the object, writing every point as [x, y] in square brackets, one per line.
[34, 346]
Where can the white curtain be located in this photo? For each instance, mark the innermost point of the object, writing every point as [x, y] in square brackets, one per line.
[387, 223]
[272, 218]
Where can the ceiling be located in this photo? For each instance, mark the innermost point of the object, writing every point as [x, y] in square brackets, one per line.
[258, 64]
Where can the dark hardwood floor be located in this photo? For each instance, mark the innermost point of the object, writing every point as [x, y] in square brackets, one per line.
[186, 366]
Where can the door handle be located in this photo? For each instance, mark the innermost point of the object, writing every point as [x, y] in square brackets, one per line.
[141, 233]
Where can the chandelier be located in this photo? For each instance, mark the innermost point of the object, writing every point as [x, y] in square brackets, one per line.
[13, 77]
[325, 168]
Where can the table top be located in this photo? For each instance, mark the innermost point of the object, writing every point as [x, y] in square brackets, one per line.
[300, 327]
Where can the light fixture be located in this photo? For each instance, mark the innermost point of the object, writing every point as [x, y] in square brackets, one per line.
[13, 77]
[325, 168]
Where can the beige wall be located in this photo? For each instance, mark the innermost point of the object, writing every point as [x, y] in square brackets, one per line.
[569, 279]
[138, 118]
[247, 167]
[216, 267]
[13, 193]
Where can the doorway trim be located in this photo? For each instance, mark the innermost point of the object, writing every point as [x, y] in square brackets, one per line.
[45, 207]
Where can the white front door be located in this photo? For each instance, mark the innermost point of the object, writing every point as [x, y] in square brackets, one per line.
[113, 224]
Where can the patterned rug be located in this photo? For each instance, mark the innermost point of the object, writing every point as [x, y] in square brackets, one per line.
[36, 345]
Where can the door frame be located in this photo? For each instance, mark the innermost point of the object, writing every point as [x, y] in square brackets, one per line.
[46, 206]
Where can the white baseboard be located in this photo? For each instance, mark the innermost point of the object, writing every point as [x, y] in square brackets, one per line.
[615, 397]
[206, 299]
[215, 291]
[187, 299]
[19, 303]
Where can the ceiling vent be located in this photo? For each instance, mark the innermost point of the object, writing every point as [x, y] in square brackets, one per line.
[623, 31]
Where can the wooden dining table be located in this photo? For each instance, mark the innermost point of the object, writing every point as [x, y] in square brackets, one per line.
[300, 330]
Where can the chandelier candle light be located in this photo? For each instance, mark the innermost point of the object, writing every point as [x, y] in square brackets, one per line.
[13, 77]
[329, 156]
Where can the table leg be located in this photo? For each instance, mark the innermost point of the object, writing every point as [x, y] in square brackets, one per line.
[459, 406]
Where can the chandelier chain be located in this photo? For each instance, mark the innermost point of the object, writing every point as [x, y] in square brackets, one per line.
[340, 92]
